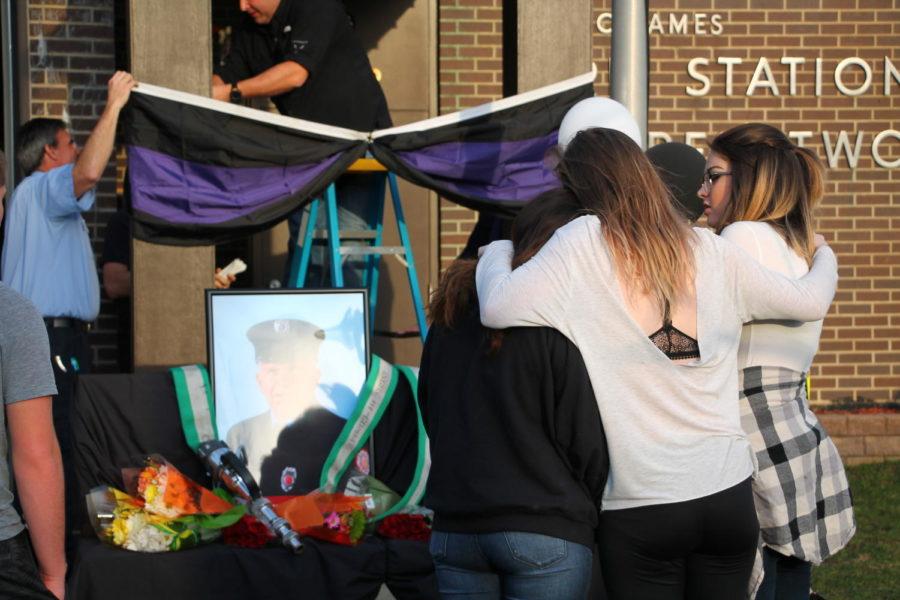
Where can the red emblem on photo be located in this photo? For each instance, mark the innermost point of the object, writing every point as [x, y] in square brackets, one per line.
[288, 479]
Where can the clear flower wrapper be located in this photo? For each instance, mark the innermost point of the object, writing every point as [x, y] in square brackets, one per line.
[162, 510]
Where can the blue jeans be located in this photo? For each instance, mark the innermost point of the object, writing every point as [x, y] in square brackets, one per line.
[510, 564]
[786, 577]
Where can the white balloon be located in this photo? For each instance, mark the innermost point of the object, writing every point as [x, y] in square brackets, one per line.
[598, 112]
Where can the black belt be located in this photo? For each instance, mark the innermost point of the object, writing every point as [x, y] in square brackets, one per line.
[66, 323]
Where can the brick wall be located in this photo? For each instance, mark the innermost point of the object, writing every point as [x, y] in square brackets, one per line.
[864, 438]
[470, 73]
[859, 357]
[71, 57]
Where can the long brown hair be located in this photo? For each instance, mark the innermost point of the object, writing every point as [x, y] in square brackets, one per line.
[536, 222]
[772, 180]
[649, 241]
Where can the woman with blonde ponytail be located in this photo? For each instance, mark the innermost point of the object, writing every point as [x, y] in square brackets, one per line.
[656, 309]
[760, 191]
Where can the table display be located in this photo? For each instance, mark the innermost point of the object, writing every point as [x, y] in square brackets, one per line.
[119, 419]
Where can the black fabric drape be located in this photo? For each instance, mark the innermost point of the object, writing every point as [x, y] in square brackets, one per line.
[121, 418]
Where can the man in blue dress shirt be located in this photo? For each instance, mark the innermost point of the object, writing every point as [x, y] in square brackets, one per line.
[47, 254]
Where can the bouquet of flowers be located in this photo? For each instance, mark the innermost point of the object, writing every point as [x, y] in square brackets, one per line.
[247, 532]
[164, 510]
[411, 524]
[334, 518]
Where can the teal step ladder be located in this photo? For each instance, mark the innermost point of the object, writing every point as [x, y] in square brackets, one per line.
[373, 250]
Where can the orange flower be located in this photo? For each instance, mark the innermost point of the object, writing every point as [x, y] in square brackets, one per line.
[190, 498]
[169, 493]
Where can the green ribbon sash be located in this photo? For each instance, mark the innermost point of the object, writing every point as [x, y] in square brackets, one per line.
[197, 410]
[195, 404]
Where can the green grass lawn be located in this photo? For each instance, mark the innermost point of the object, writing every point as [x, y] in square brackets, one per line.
[869, 567]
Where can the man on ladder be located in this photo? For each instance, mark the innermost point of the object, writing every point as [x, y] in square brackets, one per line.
[305, 56]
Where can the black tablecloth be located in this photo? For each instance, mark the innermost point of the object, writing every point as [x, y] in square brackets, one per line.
[223, 572]
[121, 418]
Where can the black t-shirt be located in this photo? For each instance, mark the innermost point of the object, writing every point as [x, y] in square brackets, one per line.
[117, 249]
[516, 438]
[341, 89]
[117, 240]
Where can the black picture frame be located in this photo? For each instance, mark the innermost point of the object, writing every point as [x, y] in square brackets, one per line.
[287, 338]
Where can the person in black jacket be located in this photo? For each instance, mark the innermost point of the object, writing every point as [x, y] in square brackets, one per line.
[518, 450]
[306, 57]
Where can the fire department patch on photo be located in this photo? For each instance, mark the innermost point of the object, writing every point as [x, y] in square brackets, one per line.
[288, 479]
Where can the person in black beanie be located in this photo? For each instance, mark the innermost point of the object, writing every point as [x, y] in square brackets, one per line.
[519, 459]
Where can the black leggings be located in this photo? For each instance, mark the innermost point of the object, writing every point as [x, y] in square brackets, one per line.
[698, 549]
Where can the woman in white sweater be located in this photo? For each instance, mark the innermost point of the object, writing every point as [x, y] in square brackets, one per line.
[656, 309]
[759, 193]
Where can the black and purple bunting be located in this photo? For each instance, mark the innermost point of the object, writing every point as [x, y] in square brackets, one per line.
[198, 176]
[495, 162]
[203, 172]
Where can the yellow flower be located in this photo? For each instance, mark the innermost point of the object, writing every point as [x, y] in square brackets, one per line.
[150, 493]
[119, 530]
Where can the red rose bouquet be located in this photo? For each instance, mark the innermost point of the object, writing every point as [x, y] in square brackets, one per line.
[414, 526]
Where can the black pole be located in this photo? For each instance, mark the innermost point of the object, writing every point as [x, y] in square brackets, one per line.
[510, 48]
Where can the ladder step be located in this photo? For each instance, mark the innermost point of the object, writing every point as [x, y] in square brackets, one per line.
[346, 234]
[368, 250]
[370, 244]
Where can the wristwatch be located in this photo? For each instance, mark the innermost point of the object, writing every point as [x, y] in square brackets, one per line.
[235, 97]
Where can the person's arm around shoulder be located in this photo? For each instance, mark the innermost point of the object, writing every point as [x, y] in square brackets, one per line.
[761, 293]
[37, 465]
[743, 234]
[94, 157]
[535, 294]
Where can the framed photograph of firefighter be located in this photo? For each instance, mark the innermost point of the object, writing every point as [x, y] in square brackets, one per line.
[286, 368]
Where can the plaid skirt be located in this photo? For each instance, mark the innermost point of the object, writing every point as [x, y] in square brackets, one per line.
[801, 493]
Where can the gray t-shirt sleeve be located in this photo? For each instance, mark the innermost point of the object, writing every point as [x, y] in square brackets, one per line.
[25, 369]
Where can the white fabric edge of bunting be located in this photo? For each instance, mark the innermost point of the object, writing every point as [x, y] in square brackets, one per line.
[490, 107]
[250, 113]
[351, 134]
